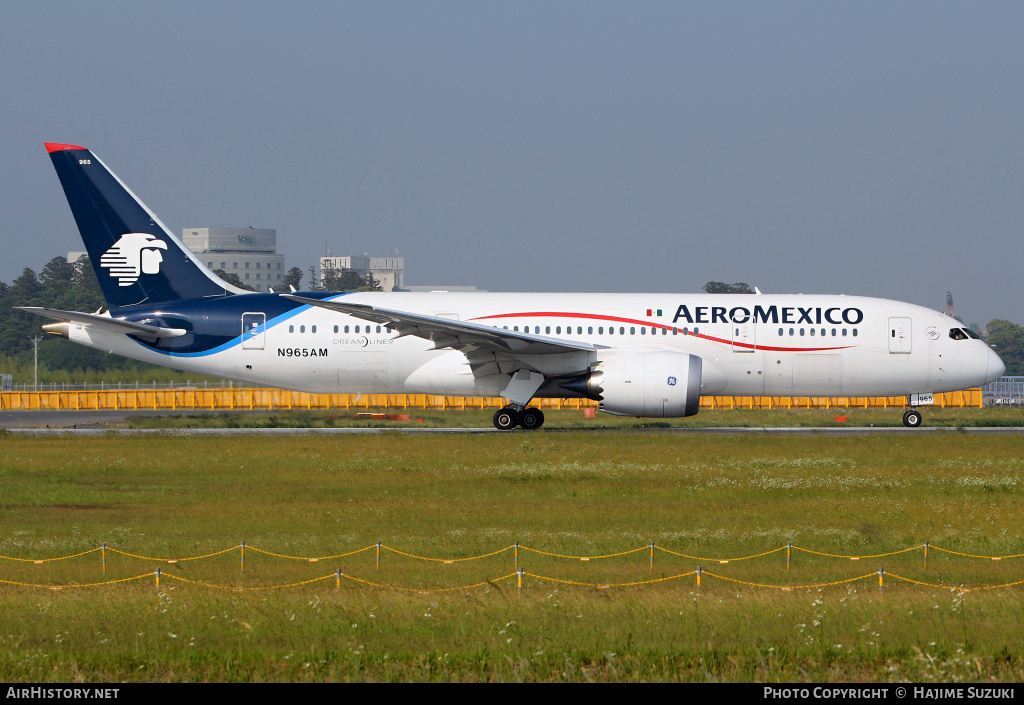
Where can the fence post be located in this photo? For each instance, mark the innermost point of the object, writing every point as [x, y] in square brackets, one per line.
[926, 555]
[378, 555]
[881, 577]
[337, 577]
[157, 573]
[699, 571]
[516, 547]
[243, 556]
[103, 556]
[519, 576]
[789, 554]
[652, 556]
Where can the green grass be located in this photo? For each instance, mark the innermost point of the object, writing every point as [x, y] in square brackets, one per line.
[451, 496]
[565, 419]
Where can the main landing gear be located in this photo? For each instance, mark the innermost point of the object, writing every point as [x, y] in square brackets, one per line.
[912, 418]
[509, 417]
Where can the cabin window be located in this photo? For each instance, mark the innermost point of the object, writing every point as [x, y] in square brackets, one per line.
[558, 330]
[536, 329]
[335, 329]
[696, 331]
[313, 329]
[844, 332]
[664, 331]
[833, 332]
[622, 330]
[792, 331]
[302, 329]
[643, 331]
[801, 331]
[378, 329]
[854, 332]
[780, 331]
[291, 329]
[346, 329]
[600, 330]
[812, 331]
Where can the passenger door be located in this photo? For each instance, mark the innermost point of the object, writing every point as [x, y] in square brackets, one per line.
[254, 327]
[899, 335]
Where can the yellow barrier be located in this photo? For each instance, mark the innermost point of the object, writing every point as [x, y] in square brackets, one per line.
[520, 573]
[516, 547]
[234, 399]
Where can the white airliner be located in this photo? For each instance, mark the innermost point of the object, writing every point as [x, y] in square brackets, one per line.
[647, 355]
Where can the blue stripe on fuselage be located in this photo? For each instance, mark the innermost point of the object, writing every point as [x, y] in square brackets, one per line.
[208, 320]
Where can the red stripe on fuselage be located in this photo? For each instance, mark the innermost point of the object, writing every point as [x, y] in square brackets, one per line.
[599, 317]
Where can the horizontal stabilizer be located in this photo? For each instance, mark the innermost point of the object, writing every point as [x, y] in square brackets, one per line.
[114, 325]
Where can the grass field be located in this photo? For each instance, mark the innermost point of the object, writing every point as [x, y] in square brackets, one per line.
[453, 497]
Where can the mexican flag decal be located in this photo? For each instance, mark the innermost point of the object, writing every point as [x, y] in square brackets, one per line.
[651, 312]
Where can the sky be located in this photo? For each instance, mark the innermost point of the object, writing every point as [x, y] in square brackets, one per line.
[868, 148]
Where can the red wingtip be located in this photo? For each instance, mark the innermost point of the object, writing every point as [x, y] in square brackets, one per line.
[54, 147]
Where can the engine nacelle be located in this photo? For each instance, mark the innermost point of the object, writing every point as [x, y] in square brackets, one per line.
[649, 382]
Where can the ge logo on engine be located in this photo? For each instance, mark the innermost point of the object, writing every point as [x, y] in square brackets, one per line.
[671, 381]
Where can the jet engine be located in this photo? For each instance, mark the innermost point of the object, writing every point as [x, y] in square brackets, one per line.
[649, 382]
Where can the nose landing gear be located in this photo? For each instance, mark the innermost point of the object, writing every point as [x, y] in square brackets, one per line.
[912, 418]
[507, 418]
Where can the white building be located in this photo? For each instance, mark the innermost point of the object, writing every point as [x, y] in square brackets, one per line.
[249, 253]
[388, 271]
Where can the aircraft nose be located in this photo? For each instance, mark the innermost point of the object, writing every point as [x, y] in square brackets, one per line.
[996, 368]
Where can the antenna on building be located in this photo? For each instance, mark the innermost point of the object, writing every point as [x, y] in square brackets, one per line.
[949, 304]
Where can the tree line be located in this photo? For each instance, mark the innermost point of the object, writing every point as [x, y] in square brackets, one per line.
[72, 286]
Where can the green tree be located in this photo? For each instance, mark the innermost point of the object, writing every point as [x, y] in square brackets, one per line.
[293, 278]
[723, 288]
[1007, 339]
[232, 279]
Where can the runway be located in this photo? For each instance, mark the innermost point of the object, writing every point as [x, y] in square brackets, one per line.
[723, 430]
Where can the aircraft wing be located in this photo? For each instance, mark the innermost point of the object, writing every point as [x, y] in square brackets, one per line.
[113, 325]
[460, 335]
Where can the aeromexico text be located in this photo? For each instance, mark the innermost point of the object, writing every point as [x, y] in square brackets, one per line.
[769, 314]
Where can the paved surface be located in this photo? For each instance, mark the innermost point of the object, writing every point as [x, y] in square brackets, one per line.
[93, 422]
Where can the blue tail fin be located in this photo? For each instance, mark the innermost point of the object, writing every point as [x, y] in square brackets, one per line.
[136, 258]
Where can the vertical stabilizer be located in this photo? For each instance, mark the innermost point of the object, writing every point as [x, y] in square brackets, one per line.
[136, 258]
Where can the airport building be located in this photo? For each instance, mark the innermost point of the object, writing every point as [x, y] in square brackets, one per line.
[249, 253]
[388, 271]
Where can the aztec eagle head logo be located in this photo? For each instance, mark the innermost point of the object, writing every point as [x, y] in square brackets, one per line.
[133, 255]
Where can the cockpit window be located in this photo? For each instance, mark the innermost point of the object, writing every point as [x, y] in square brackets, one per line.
[971, 334]
[957, 334]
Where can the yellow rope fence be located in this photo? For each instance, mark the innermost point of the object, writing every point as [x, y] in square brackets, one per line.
[520, 573]
[515, 547]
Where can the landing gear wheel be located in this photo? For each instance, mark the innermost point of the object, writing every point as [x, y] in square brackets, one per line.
[912, 418]
[531, 419]
[506, 419]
